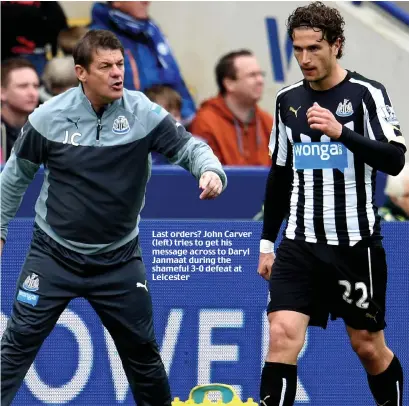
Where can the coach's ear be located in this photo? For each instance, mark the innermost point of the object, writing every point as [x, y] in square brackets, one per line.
[81, 73]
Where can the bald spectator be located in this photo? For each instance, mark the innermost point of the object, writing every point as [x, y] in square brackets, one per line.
[396, 206]
[233, 125]
[19, 98]
[59, 76]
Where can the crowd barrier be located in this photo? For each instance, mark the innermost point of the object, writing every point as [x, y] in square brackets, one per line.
[392, 8]
[173, 192]
[210, 322]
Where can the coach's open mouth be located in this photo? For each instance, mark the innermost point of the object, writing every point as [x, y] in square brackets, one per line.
[117, 85]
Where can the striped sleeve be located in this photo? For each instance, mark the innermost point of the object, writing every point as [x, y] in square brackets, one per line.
[278, 185]
[279, 144]
[380, 118]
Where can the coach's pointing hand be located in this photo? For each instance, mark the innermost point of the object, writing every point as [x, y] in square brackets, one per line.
[323, 120]
[211, 185]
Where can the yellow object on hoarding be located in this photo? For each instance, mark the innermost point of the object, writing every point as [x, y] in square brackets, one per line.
[199, 396]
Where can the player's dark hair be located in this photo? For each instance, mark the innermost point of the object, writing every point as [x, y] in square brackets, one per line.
[319, 16]
[225, 67]
[90, 42]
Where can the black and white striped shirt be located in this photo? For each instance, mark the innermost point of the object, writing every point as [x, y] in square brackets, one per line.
[331, 197]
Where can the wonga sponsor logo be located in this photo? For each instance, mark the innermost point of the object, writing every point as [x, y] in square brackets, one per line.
[29, 298]
[320, 155]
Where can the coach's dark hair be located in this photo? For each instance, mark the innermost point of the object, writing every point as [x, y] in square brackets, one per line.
[225, 67]
[11, 64]
[91, 41]
[319, 16]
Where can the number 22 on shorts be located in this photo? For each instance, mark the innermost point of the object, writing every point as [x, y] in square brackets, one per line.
[362, 302]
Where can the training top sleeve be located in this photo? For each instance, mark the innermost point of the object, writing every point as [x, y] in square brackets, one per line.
[171, 139]
[28, 153]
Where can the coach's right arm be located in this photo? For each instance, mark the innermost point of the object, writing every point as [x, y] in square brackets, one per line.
[27, 155]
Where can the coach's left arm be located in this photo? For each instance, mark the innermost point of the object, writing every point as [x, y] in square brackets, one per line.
[171, 139]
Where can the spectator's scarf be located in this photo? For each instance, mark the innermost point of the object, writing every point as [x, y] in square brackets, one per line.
[151, 31]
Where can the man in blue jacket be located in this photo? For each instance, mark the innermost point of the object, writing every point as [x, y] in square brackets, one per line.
[148, 58]
[94, 142]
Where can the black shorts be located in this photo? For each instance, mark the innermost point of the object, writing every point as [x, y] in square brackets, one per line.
[114, 283]
[321, 280]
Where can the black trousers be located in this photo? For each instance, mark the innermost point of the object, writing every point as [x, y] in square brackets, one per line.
[114, 284]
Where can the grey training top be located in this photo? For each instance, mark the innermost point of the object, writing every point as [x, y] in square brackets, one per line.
[96, 167]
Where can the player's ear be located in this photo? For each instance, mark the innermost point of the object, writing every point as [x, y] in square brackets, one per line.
[336, 46]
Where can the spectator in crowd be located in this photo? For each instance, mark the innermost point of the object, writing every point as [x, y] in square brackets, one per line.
[32, 30]
[59, 76]
[233, 125]
[396, 206]
[68, 38]
[171, 101]
[19, 98]
[168, 98]
[148, 58]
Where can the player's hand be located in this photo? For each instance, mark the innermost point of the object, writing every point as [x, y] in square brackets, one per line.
[211, 185]
[323, 120]
[265, 264]
[1, 246]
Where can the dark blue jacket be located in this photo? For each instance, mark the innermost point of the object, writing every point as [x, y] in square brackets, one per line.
[150, 71]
